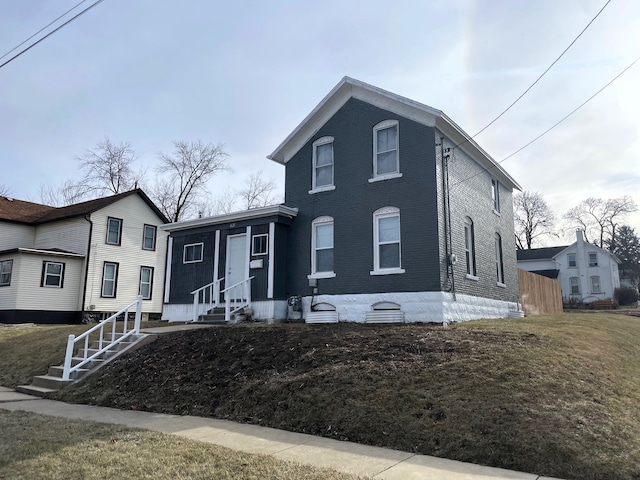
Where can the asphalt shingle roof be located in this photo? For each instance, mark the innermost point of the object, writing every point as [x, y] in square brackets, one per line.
[539, 253]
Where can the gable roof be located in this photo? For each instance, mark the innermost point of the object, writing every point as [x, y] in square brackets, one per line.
[546, 253]
[351, 88]
[31, 213]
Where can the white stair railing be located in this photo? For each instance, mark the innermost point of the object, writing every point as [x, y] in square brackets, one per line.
[103, 343]
[205, 298]
[239, 294]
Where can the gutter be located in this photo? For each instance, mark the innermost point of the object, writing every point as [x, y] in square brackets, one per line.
[87, 217]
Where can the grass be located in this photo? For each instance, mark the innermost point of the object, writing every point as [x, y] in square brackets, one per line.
[555, 395]
[69, 449]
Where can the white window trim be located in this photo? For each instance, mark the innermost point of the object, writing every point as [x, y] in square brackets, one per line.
[495, 195]
[599, 292]
[385, 212]
[473, 275]
[184, 252]
[45, 275]
[325, 220]
[499, 259]
[575, 257]
[253, 252]
[324, 188]
[577, 285]
[381, 126]
[589, 257]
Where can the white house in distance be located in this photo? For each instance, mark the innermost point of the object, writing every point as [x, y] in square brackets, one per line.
[586, 272]
[82, 261]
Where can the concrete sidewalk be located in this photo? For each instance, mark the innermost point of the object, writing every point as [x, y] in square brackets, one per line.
[374, 462]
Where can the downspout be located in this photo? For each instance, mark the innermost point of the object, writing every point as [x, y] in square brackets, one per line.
[87, 217]
[447, 219]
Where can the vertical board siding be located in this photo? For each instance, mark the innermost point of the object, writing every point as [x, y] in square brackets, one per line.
[129, 255]
[15, 235]
[71, 235]
[540, 295]
[354, 200]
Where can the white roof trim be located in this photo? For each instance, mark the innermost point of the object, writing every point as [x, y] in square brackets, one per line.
[37, 251]
[232, 217]
[351, 88]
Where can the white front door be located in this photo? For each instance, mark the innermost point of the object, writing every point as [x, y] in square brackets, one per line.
[236, 268]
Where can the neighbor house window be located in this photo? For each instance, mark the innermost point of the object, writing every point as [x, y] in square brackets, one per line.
[192, 253]
[109, 279]
[323, 164]
[385, 149]
[386, 241]
[574, 285]
[469, 247]
[593, 259]
[146, 282]
[6, 266]
[499, 262]
[114, 231]
[571, 259]
[52, 274]
[595, 285]
[149, 237]
[260, 244]
[322, 247]
[495, 194]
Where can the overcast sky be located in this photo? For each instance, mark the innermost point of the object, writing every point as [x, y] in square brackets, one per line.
[245, 73]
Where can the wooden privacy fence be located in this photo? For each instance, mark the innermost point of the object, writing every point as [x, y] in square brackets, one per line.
[539, 295]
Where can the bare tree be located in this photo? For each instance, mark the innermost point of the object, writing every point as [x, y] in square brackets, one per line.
[599, 219]
[226, 201]
[533, 218]
[4, 191]
[258, 192]
[182, 176]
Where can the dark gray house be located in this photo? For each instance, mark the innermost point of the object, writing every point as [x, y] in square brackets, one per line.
[393, 213]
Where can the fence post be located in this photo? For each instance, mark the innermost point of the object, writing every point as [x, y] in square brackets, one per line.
[136, 327]
[66, 372]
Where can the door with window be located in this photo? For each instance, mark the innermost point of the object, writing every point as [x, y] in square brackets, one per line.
[236, 265]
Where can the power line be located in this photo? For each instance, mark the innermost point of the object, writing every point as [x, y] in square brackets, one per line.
[553, 126]
[51, 33]
[43, 28]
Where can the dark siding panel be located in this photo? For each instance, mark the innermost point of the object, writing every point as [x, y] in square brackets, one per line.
[39, 317]
[187, 277]
[354, 200]
[280, 267]
[260, 282]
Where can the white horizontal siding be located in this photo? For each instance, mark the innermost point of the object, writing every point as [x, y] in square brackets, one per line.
[130, 256]
[31, 296]
[71, 235]
[14, 235]
[9, 294]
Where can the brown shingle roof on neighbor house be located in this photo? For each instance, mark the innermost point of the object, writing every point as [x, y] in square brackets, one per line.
[35, 213]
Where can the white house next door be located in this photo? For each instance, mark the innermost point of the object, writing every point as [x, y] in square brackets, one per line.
[236, 266]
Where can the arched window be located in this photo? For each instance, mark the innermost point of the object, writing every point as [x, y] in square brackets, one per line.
[386, 241]
[469, 247]
[499, 262]
[322, 248]
[386, 150]
[322, 165]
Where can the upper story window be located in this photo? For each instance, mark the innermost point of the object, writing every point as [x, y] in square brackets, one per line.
[469, 247]
[322, 248]
[593, 260]
[322, 165]
[149, 237]
[6, 266]
[499, 261]
[52, 274]
[385, 151]
[495, 195]
[146, 282]
[386, 241]
[571, 260]
[114, 231]
[192, 253]
[260, 244]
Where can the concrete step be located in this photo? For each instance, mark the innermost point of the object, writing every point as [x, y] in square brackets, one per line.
[47, 381]
[58, 370]
[93, 351]
[96, 362]
[33, 390]
[212, 319]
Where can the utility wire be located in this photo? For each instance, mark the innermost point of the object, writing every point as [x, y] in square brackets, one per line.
[552, 127]
[43, 28]
[51, 33]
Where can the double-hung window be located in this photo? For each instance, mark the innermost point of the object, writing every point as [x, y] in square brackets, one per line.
[114, 231]
[146, 282]
[386, 241]
[109, 279]
[149, 237]
[6, 266]
[469, 247]
[385, 150]
[574, 286]
[571, 260]
[595, 285]
[52, 274]
[322, 248]
[192, 253]
[322, 165]
[593, 259]
[495, 195]
[499, 261]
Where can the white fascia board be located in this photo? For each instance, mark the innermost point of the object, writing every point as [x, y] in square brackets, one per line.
[566, 250]
[36, 251]
[233, 217]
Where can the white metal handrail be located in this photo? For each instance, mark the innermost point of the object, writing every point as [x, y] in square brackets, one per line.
[243, 289]
[103, 344]
[210, 291]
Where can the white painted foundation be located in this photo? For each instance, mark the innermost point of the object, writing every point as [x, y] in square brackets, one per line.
[262, 310]
[436, 307]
